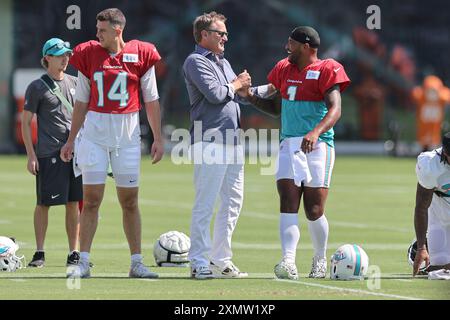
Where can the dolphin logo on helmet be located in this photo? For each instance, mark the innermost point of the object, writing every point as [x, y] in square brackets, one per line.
[8, 260]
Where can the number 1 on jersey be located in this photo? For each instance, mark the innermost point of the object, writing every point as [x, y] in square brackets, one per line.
[292, 91]
[117, 92]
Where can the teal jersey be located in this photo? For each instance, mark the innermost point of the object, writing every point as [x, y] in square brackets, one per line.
[300, 117]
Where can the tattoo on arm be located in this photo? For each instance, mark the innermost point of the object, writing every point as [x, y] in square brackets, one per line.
[270, 106]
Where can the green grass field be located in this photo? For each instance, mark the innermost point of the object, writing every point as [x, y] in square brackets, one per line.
[371, 204]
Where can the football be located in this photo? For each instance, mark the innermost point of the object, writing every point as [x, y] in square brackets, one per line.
[171, 249]
[349, 262]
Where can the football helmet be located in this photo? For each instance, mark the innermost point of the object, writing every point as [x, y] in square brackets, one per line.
[8, 260]
[349, 262]
[171, 249]
[412, 250]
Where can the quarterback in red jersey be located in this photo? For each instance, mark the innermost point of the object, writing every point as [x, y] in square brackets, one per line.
[111, 74]
[306, 90]
[114, 80]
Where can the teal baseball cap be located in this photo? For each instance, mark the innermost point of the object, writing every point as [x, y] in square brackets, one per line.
[55, 47]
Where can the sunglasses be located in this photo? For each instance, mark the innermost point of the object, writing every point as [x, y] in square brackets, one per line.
[220, 33]
[58, 45]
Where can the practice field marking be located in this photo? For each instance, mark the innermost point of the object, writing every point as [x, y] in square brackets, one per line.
[184, 273]
[5, 222]
[358, 291]
[236, 245]
[345, 224]
[272, 217]
[308, 246]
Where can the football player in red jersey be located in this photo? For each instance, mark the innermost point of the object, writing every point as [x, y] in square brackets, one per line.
[307, 91]
[111, 73]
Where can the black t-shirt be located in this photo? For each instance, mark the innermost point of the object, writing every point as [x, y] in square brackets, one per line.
[52, 116]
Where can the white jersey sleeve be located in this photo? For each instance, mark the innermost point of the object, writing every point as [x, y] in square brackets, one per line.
[424, 170]
[148, 86]
[83, 91]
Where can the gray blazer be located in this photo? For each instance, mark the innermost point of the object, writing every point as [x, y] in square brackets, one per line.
[211, 96]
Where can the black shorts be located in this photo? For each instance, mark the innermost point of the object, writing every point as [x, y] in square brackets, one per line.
[55, 182]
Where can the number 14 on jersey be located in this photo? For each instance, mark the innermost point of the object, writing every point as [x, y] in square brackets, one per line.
[117, 92]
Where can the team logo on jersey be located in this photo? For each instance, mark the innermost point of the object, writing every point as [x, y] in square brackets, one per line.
[72, 91]
[311, 74]
[130, 57]
[446, 188]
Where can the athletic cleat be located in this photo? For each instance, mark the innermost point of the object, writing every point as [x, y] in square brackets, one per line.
[80, 270]
[201, 273]
[139, 270]
[230, 271]
[286, 270]
[72, 259]
[319, 268]
[38, 260]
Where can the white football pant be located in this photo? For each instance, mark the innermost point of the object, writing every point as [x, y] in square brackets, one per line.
[211, 180]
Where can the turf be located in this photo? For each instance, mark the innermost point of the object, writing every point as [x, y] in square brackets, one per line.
[371, 204]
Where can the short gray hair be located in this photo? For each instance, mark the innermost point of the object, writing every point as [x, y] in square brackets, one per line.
[204, 21]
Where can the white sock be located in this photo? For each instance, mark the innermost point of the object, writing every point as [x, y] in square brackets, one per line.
[289, 235]
[84, 257]
[319, 235]
[135, 258]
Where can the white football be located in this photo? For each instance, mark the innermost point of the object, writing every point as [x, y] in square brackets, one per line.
[349, 262]
[171, 249]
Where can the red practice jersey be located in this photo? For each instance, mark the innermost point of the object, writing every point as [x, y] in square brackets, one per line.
[312, 82]
[303, 94]
[115, 80]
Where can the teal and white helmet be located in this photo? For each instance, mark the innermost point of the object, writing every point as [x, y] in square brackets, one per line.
[412, 251]
[349, 262]
[8, 260]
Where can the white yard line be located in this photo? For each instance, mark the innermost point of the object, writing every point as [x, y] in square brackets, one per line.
[345, 224]
[17, 280]
[308, 246]
[184, 274]
[236, 245]
[272, 217]
[357, 291]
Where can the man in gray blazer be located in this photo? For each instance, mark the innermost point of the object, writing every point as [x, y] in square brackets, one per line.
[218, 164]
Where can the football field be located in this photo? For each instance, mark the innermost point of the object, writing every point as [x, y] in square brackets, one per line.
[371, 204]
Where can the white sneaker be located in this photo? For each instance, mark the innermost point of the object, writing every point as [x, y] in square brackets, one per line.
[230, 271]
[201, 273]
[319, 268]
[139, 270]
[286, 270]
[80, 270]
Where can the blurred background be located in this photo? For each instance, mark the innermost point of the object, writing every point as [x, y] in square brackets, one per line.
[397, 103]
